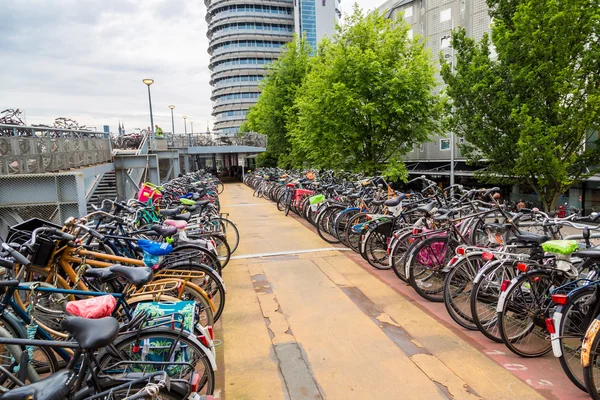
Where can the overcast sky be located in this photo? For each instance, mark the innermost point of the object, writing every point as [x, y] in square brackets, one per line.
[86, 60]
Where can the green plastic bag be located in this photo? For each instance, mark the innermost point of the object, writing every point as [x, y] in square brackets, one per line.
[319, 198]
[564, 247]
[187, 202]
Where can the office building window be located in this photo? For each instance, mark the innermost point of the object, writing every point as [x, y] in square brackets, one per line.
[444, 144]
[410, 34]
[445, 42]
[446, 15]
[408, 12]
[463, 5]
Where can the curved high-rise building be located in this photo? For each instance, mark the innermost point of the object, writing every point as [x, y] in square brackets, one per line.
[244, 36]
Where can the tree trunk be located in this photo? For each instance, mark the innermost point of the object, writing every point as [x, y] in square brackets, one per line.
[553, 201]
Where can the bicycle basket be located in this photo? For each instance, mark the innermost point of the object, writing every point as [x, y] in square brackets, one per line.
[21, 233]
[157, 349]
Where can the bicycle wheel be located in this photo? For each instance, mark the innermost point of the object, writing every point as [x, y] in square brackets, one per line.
[571, 331]
[426, 264]
[341, 224]
[193, 253]
[457, 289]
[159, 344]
[399, 251]
[227, 228]
[354, 230]
[375, 246]
[220, 188]
[42, 363]
[522, 321]
[485, 295]
[212, 283]
[173, 393]
[590, 359]
[324, 223]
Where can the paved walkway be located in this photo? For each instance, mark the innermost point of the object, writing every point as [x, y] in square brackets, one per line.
[307, 322]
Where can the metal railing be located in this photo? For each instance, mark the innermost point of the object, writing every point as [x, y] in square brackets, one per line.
[33, 150]
[204, 140]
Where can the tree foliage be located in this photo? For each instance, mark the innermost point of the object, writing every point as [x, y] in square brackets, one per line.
[367, 99]
[527, 112]
[271, 113]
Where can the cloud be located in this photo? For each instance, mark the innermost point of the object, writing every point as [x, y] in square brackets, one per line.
[86, 60]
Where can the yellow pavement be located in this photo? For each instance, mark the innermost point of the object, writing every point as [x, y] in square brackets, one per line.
[313, 324]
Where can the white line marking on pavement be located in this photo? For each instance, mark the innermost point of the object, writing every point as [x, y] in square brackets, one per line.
[245, 205]
[283, 253]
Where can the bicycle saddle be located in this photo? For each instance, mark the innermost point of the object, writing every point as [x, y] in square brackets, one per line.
[56, 386]
[182, 217]
[138, 276]
[164, 231]
[395, 201]
[92, 333]
[171, 211]
[497, 227]
[426, 208]
[531, 238]
[203, 203]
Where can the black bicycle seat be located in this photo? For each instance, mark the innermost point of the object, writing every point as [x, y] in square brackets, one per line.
[195, 196]
[202, 203]
[395, 201]
[182, 217]
[426, 208]
[170, 212]
[164, 231]
[138, 276]
[92, 333]
[192, 208]
[56, 386]
[531, 238]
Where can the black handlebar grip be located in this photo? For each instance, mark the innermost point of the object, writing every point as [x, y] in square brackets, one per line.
[20, 258]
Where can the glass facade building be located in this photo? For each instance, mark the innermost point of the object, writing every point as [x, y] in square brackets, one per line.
[244, 37]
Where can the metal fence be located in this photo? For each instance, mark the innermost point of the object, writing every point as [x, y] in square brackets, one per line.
[204, 140]
[28, 150]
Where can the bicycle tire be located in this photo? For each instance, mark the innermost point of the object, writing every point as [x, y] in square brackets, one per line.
[457, 290]
[572, 331]
[132, 340]
[420, 278]
[212, 284]
[537, 281]
[323, 220]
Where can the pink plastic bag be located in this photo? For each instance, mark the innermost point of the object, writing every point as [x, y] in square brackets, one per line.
[96, 307]
[176, 223]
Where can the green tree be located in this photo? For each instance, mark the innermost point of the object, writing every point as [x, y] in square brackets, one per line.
[275, 105]
[527, 114]
[367, 100]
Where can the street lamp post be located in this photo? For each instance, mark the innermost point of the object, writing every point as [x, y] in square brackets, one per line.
[185, 129]
[192, 126]
[172, 124]
[149, 82]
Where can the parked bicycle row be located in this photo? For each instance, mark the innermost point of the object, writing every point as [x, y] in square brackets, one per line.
[120, 303]
[526, 279]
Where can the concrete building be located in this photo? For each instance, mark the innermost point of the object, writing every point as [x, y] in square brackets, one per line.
[244, 37]
[316, 19]
[434, 20]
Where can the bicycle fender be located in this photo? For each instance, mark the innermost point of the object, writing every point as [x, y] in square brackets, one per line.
[556, 350]
[586, 344]
[504, 294]
[17, 322]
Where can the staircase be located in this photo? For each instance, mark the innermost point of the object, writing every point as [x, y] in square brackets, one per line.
[106, 189]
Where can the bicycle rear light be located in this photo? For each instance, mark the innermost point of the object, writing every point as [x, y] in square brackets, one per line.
[461, 251]
[560, 299]
[522, 267]
[487, 256]
[550, 325]
[505, 285]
